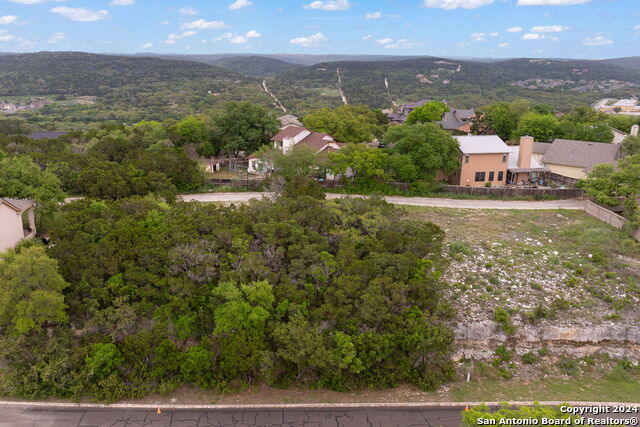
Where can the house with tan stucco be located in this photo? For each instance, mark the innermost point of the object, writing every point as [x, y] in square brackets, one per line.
[488, 160]
[17, 221]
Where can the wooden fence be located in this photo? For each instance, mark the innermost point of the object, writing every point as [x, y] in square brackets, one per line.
[608, 216]
[604, 214]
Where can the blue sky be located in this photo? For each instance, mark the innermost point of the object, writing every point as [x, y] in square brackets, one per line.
[480, 28]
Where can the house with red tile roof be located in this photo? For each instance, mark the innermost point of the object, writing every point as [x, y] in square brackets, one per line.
[297, 136]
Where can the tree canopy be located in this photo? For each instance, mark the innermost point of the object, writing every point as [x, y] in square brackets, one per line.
[428, 113]
[244, 127]
[21, 178]
[337, 294]
[30, 290]
[426, 147]
[347, 123]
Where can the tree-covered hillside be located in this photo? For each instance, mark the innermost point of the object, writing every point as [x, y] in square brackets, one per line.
[79, 73]
[256, 65]
[465, 84]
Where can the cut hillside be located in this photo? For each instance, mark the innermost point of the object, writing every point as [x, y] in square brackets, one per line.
[465, 84]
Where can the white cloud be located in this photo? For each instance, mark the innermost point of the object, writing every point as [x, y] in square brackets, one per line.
[56, 38]
[389, 43]
[503, 45]
[329, 5]
[532, 36]
[201, 24]
[224, 36]
[239, 4]
[494, 34]
[367, 37]
[31, 1]
[80, 14]
[454, 4]
[637, 28]
[514, 29]
[147, 46]
[550, 2]
[6, 37]
[373, 15]
[238, 38]
[188, 11]
[597, 41]
[312, 40]
[122, 2]
[478, 37]
[8, 19]
[172, 38]
[549, 29]
[165, 23]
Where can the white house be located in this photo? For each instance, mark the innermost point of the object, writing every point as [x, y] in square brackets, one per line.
[17, 221]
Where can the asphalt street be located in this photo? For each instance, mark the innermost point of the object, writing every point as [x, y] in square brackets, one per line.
[12, 416]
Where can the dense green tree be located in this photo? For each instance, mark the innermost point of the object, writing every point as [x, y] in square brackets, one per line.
[347, 123]
[244, 127]
[363, 161]
[430, 112]
[598, 131]
[30, 290]
[430, 148]
[542, 127]
[631, 145]
[191, 130]
[500, 118]
[21, 178]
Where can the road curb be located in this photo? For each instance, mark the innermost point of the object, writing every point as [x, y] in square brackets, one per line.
[400, 405]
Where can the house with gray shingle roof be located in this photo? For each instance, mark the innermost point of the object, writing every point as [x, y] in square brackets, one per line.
[575, 159]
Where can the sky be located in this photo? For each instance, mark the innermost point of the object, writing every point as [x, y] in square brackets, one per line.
[449, 28]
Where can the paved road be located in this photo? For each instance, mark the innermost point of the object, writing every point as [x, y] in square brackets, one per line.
[413, 201]
[11, 416]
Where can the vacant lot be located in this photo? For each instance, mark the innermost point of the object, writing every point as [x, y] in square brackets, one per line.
[563, 265]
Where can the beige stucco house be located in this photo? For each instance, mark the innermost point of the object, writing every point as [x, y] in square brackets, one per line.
[17, 221]
[483, 159]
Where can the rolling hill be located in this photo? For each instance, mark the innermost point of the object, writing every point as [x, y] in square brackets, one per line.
[81, 73]
[561, 83]
[261, 66]
[632, 62]
[132, 87]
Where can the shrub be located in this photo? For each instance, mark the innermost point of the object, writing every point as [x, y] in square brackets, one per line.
[459, 247]
[529, 358]
[196, 365]
[503, 318]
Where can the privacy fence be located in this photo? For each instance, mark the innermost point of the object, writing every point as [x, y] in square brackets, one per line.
[608, 216]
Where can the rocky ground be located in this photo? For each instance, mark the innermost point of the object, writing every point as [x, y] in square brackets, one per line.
[567, 287]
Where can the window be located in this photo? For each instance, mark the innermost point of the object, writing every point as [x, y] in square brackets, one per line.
[491, 175]
[466, 159]
[504, 158]
[500, 175]
[480, 176]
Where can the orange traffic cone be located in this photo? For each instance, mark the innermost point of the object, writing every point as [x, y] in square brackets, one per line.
[466, 408]
[158, 411]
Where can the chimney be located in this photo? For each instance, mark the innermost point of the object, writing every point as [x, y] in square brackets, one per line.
[634, 130]
[524, 154]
